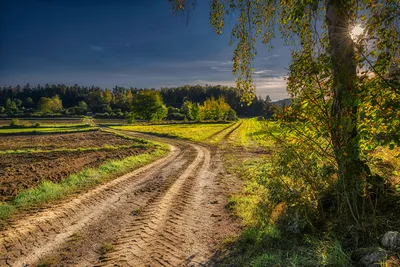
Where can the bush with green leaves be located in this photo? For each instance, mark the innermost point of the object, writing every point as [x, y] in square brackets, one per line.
[130, 116]
[50, 105]
[175, 114]
[216, 110]
[16, 123]
[190, 110]
[149, 105]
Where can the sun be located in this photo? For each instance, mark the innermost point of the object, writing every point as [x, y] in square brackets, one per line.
[356, 31]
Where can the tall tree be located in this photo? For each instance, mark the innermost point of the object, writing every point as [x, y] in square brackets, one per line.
[50, 104]
[149, 105]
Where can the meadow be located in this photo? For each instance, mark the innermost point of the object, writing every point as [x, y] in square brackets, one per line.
[189, 131]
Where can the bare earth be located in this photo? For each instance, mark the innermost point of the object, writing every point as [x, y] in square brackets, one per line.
[169, 213]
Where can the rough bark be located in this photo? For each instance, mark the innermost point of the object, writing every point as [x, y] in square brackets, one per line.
[345, 137]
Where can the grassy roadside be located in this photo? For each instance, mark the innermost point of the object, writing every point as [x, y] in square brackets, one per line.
[262, 241]
[48, 191]
[277, 199]
[254, 133]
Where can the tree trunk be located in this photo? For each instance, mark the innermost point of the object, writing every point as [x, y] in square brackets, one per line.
[344, 135]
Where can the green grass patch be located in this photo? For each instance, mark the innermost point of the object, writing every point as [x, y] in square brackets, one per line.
[220, 136]
[81, 149]
[267, 246]
[6, 210]
[255, 133]
[48, 191]
[44, 130]
[190, 131]
[263, 241]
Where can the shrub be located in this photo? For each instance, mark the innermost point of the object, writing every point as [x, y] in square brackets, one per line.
[130, 117]
[16, 123]
[232, 115]
[176, 116]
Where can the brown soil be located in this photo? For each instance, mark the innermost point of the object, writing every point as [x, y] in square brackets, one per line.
[67, 140]
[169, 213]
[22, 171]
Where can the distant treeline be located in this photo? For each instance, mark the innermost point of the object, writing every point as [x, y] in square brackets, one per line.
[117, 102]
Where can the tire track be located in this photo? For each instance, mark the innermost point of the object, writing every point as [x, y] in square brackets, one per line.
[158, 213]
[58, 223]
[168, 213]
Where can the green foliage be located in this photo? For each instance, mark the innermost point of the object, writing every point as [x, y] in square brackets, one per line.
[130, 117]
[11, 106]
[277, 207]
[81, 108]
[267, 246]
[231, 116]
[175, 114]
[50, 105]
[215, 109]
[119, 100]
[379, 116]
[6, 210]
[149, 105]
[16, 123]
[28, 103]
[123, 98]
[191, 110]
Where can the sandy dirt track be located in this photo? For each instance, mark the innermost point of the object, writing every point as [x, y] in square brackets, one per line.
[168, 213]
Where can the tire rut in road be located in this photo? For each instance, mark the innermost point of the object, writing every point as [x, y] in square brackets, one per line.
[29, 239]
[147, 241]
[87, 250]
[169, 213]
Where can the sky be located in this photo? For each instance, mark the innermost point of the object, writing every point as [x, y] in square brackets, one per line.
[129, 43]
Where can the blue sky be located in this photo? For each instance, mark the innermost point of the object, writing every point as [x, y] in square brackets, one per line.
[123, 42]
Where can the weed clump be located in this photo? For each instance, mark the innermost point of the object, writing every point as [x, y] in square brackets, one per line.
[16, 123]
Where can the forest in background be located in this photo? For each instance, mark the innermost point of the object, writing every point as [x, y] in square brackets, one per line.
[63, 100]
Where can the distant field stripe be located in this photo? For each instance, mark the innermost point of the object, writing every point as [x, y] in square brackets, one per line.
[11, 131]
[193, 131]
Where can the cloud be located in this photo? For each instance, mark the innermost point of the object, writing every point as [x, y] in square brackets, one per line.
[197, 63]
[227, 63]
[220, 69]
[96, 48]
[275, 87]
[272, 57]
[262, 71]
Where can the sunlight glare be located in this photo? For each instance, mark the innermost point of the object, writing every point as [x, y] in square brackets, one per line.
[355, 32]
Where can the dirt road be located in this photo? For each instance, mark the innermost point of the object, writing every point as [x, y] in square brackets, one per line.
[168, 213]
